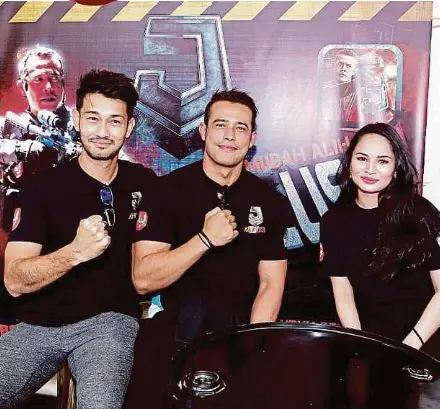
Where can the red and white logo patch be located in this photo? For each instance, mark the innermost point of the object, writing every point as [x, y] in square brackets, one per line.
[16, 219]
[141, 220]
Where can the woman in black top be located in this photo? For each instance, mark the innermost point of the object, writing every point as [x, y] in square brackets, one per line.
[380, 243]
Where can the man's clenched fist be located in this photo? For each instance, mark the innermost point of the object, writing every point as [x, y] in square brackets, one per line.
[220, 226]
[91, 238]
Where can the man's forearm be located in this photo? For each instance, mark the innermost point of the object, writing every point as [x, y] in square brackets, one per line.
[266, 305]
[159, 270]
[32, 274]
[348, 315]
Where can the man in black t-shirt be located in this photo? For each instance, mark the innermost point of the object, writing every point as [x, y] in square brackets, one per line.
[23, 155]
[211, 244]
[67, 262]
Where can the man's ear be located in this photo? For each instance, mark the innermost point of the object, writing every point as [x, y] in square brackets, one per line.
[202, 130]
[75, 117]
[253, 139]
[22, 86]
[130, 127]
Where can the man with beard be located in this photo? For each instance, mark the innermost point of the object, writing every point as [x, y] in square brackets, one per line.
[41, 82]
[212, 246]
[67, 262]
[22, 157]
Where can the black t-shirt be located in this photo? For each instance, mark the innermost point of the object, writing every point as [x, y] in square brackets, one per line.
[225, 279]
[388, 307]
[51, 209]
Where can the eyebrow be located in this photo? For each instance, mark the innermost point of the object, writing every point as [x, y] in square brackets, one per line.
[97, 113]
[225, 120]
[48, 71]
[379, 157]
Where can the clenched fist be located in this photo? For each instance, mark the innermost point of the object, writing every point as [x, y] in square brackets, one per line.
[91, 238]
[220, 226]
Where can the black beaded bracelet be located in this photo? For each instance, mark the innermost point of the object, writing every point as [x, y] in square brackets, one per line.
[418, 336]
[205, 239]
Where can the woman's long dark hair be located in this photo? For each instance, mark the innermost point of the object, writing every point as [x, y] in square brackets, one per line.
[408, 222]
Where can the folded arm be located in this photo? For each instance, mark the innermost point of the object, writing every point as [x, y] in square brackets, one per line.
[155, 266]
[26, 271]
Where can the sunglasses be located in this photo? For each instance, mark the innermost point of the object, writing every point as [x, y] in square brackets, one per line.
[222, 196]
[107, 200]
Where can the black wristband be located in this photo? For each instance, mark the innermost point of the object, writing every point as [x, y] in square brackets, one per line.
[418, 336]
[202, 234]
[204, 241]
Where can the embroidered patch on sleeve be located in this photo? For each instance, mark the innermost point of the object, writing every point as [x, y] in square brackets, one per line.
[16, 219]
[141, 220]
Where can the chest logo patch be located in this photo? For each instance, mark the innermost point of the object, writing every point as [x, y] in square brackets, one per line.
[255, 220]
[16, 219]
[255, 216]
[136, 198]
[141, 220]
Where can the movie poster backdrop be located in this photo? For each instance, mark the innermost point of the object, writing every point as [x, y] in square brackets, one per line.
[317, 70]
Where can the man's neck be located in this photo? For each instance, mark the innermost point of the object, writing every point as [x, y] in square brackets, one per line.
[223, 175]
[102, 170]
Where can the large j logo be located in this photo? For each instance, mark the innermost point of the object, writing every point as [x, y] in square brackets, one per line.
[187, 63]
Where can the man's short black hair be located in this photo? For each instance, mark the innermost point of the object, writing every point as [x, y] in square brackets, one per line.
[237, 97]
[109, 84]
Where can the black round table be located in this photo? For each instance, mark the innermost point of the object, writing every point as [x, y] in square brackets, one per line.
[312, 366]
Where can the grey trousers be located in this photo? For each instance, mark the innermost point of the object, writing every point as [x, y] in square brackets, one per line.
[99, 351]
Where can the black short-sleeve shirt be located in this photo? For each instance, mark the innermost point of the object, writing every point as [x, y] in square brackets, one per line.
[226, 276]
[49, 214]
[389, 307]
